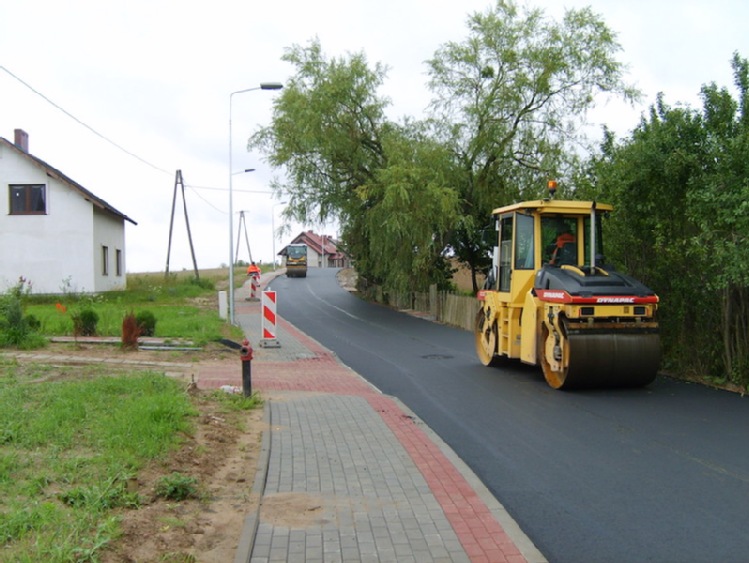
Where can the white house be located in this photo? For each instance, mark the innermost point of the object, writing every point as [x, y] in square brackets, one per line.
[54, 232]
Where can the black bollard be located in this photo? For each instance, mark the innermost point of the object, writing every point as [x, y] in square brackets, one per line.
[246, 356]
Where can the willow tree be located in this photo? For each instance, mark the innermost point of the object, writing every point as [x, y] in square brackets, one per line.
[326, 132]
[415, 207]
[382, 181]
[510, 101]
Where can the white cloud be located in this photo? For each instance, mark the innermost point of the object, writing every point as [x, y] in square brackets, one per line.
[155, 78]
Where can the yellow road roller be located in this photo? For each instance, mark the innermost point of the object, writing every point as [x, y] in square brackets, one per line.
[550, 299]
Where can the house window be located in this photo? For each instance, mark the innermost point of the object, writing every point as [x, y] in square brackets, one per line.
[28, 199]
[105, 260]
[118, 261]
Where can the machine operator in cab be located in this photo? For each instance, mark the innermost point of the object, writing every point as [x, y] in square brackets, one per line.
[562, 250]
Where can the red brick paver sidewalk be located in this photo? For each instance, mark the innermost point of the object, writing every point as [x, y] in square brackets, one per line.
[482, 537]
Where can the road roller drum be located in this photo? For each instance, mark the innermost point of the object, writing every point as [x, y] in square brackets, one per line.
[614, 359]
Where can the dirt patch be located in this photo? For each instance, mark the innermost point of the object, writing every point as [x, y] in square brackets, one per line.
[222, 455]
[347, 279]
[295, 510]
[112, 350]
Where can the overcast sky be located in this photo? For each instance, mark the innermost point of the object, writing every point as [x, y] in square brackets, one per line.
[154, 78]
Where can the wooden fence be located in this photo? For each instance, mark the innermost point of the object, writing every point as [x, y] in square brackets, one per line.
[441, 306]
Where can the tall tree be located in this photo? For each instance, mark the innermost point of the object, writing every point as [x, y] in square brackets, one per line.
[385, 183]
[326, 133]
[719, 205]
[680, 185]
[509, 101]
[646, 178]
[415, 207]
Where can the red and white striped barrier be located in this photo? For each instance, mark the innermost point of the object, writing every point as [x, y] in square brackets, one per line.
[268, 324]
[254, 287]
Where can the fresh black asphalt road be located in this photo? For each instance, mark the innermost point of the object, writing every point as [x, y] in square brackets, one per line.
[654, 474]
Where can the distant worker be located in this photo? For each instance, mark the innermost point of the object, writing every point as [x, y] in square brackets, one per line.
[253, 270]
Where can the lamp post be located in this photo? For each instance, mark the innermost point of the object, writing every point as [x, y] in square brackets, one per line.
[263, 86]
[273, 228]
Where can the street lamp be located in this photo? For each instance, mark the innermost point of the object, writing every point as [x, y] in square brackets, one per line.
[263, 86]
[273, 227]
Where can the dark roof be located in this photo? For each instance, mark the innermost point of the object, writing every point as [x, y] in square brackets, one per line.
[56, 174]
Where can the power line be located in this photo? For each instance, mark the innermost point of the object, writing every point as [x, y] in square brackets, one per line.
[205, 200]
[227, 189]
[121, 148]
[196, 188]
[74, 118]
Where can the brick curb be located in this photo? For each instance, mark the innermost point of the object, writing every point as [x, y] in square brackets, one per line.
[252, 520]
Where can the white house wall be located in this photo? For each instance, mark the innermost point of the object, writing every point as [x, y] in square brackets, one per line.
[109, 232]
[61, 250]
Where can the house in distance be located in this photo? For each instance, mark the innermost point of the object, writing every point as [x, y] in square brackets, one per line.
[322, 250]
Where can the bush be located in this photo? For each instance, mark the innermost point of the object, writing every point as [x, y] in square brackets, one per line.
[146, 323]
[33, 323]
[16, 328]
[84, 322]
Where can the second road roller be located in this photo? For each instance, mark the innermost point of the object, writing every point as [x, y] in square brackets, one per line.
[550, 300]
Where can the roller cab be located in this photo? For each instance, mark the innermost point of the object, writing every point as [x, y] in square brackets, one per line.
[551, 301]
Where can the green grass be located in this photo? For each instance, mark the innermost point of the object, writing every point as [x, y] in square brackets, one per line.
[71, 438]
[183, 308]
[67, 449]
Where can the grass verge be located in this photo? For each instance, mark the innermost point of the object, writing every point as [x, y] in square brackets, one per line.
[70, 441]
[183, 307]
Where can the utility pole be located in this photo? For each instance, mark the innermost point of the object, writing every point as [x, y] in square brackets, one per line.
[242, 222]
[179, 182]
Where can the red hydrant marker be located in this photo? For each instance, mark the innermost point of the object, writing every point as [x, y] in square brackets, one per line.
[245, 354]
[268, 320]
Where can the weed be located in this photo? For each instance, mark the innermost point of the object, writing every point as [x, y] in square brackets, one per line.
[203, 283]
[68, 449]
[112, 493]
[9, 464]
[106, 531]
[238, 402]
[22, 521]
[177, 486]
[177, 557]
[184, 308]
[172, 522]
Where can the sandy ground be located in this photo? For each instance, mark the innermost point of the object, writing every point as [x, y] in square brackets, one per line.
[221, 454]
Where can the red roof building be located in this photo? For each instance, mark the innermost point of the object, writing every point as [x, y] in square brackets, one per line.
[322, 250]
